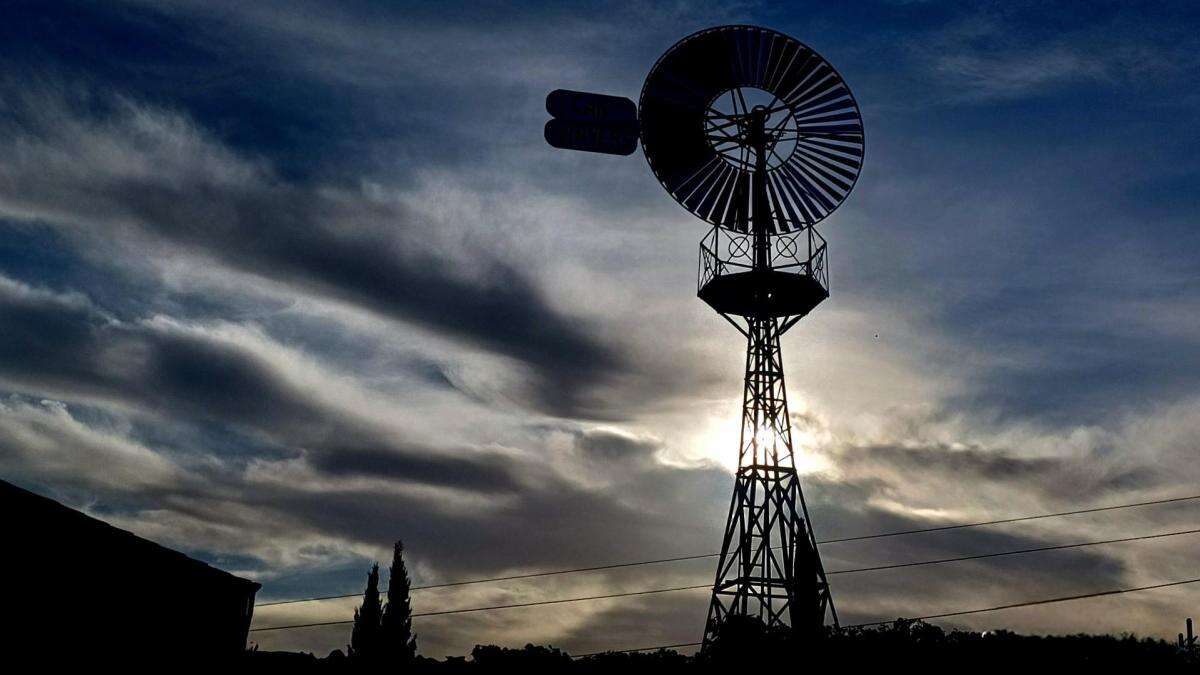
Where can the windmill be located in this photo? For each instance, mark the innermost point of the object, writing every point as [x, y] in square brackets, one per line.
[758, 135]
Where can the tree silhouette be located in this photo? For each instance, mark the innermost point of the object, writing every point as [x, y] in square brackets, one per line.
[746, 643]
[365, 640]
[397, 635]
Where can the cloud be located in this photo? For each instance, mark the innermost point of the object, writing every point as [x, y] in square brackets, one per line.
[157, 182]
[349, 476]
[1056, 477]
[612, 447]
[482, 472]
[994, 55]
[63, 345]
[43, 441]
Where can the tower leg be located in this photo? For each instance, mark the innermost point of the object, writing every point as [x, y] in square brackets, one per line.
[769, 566]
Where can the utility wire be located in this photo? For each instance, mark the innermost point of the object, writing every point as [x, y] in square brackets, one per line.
[709, 586]
[301, 625]
[556, 602]
[1011, 520]
[1030, 603]
[1057, 547]
[508, 578]
[596, 568]
[637, 649]
[514, 605]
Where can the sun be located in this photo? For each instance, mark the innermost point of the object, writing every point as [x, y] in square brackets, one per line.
[719, 438]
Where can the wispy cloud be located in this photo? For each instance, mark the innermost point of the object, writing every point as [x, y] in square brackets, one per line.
[1017, 51]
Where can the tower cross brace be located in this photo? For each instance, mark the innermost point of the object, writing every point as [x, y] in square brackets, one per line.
[769, 566]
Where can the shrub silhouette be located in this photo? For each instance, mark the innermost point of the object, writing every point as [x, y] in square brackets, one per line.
[745, 643]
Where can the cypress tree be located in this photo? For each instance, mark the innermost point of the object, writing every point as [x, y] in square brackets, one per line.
[365, 637]
[401, 643]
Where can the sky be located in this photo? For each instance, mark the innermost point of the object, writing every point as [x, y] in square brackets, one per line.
[283, 282]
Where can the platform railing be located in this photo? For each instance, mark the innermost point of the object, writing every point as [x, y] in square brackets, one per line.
[725, 251]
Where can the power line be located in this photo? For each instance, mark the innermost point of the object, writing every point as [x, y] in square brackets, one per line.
[529, 575]
[597, 568]
[1057, 547]
[709, 586]
[1029, 603]
[637, 649]
[556, 602]
[1012, 520]
[302, 625]
[511, 606]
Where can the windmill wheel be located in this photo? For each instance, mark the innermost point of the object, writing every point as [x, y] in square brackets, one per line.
[695, 114]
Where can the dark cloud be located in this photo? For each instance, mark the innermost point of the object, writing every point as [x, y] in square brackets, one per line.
[64, 346]
[552, 522]
[175, 373]
[1063, 479]
[611, 447]
[978, 463]
[343, 248]
[844, 508]
[480, 472]
[1104, 343]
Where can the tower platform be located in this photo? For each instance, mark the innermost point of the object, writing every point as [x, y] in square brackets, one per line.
[763, 294]
[795, 281]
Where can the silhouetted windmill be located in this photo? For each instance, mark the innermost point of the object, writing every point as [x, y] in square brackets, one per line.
[758, 135]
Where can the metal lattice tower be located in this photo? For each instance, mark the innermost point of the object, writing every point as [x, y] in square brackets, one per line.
[769, 567]
[755, 133]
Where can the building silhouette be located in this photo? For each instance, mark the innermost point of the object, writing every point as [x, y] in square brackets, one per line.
[80, 590]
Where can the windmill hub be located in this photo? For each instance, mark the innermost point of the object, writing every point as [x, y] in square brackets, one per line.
[739, 123]
[756, 129]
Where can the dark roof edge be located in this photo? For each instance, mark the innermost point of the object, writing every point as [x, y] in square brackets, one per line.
[68, 512]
